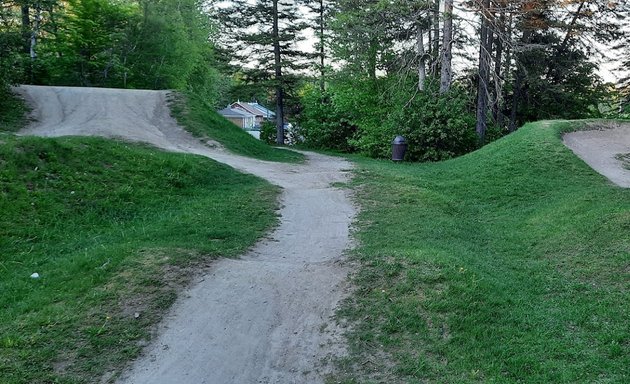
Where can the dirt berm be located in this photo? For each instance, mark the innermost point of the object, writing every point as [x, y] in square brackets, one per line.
[601, 147]
[263, 318]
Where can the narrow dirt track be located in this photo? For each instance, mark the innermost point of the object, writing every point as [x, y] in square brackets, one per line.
[263, 318]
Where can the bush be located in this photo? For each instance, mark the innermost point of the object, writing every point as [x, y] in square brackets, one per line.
[322, 124]
[436, 127]
[365, 115]
[268, 132]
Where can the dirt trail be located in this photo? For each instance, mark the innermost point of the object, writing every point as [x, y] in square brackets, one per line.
[600, 147]
[264, 318]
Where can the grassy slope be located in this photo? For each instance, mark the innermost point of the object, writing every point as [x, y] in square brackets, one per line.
[113, 229]
[511, 264]
[12, 112]
[201, 120]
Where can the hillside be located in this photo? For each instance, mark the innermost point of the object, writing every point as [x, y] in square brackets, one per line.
[506, 265]
[217, 309]
[138, 115]
[113, 230]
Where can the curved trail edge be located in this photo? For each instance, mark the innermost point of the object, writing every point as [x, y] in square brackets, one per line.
[264, 318]
[600, 147]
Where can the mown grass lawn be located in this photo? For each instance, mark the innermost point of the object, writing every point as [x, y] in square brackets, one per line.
[113, 230]
[508, 265]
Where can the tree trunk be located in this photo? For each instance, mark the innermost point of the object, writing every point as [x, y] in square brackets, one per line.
[279, 115]
[498, 78]
[518, 85]
[26, 26]
[435, 47]
[484, 72]
[278, 77]
[371, 62]
[35, 32]
[422, 72]
[322, 73]
[446, 74]
[508, 48]
[518, 80]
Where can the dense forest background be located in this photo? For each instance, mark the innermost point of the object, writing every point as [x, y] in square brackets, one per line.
[348, 74]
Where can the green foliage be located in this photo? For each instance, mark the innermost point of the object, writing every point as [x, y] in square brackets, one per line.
[322, 124]
[436, 127]
[268, 132]
[13, 112]
[558, 86]
[9, 57]
[172, 47]
[364, 33]
[502, 266]
[112, 229]
[365, 115]
[90, 47]
[105, 43]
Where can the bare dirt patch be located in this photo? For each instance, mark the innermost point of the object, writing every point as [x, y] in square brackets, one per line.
[604, 147]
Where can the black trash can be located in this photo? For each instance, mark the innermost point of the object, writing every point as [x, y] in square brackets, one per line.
[399, 147]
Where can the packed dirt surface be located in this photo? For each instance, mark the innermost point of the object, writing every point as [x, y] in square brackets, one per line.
[263, 318]
[601, 147]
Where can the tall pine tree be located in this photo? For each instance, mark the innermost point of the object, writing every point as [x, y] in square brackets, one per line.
[264, 36]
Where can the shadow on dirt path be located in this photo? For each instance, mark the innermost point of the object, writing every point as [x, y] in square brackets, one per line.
[264, 318]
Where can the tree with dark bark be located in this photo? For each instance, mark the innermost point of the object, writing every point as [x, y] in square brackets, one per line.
[485, 47]
[264, 34]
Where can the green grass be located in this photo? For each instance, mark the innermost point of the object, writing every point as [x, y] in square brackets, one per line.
[202, 121]
[12, 112]
[114, 231]
[508, 265]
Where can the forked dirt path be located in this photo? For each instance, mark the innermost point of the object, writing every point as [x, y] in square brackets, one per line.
[263, 318]
[600, 148]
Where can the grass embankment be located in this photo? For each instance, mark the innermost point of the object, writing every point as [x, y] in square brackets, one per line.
[508, 265]
[113, 230]
[201, 120]
[12, 112]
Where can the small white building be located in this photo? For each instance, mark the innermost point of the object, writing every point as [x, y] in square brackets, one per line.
[241, 118]
[267, 114]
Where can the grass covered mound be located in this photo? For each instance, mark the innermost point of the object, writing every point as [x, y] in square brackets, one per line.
[201, 120]
[508, 265]
[112, 229]
[13, 111]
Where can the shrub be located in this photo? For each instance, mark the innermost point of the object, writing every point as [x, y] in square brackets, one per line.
[436, 127]
[322, 124]
[365, 115]
[268, 132]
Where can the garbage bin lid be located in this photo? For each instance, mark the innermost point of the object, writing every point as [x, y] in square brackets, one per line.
[399, 140]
